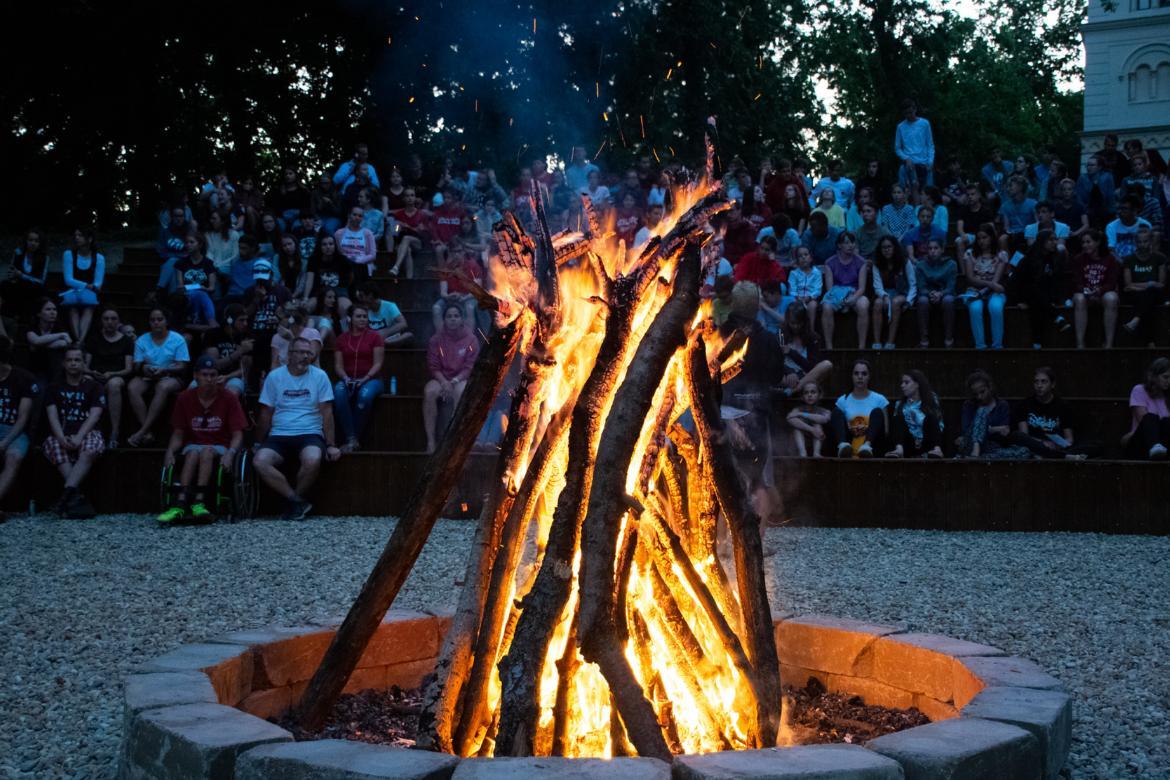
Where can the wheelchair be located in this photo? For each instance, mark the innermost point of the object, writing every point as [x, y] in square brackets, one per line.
[235, 492]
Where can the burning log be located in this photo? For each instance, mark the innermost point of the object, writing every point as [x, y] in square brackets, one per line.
[411, 532]
[744, 525]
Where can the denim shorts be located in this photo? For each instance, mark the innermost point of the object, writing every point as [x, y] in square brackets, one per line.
[286, 446]
[19, 446]
[219, 449]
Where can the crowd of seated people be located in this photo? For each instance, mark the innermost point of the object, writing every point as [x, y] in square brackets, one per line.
[254, 285]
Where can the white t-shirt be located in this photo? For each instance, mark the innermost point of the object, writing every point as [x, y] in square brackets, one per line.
[296, 400]
[1058, 228]
[174, 348]
[858, 410]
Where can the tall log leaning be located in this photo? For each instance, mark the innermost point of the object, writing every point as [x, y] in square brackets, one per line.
[597, 623]
[744, 526]
[406, 542]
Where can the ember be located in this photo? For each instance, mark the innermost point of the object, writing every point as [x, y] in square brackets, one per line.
[595, 618]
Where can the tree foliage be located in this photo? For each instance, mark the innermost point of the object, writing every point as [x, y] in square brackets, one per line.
[107, 105]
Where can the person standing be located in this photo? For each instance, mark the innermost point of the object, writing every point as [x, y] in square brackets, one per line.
[914, 145]
[18, 394]
[74, 408]
[296, 420]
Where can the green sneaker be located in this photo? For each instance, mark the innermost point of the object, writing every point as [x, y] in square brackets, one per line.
[200, 513]
[172, 515]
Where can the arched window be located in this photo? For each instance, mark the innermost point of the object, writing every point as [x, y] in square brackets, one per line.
[1148, 74]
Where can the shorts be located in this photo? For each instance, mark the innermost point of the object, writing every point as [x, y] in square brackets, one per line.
[218, 449]
[57, 454]
[19, 445]
[284, 446]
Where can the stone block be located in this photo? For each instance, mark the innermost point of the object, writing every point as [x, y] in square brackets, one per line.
[332, 759]
[364, 679]
[963, 749]
[933, 708]
[269, 703]
[228, 666]
[923, 663]
[192, 741]
[830, 644]
[404, 635]
[561, 769]
[797, 676]
[872, 691]
[410, 674]
[290, 656]
[807, 762]
[166, 689]
[1047, 715]
[974, 674]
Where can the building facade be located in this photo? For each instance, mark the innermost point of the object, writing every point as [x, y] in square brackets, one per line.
[1127, 73]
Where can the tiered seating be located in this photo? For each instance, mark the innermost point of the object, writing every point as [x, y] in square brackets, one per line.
[1109, 496]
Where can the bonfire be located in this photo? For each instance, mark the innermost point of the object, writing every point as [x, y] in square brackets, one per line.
[596, 617]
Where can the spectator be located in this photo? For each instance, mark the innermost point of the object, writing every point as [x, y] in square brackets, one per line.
[1046, 220]
[628, 219]
[325, 315]
[779, 198]
[357, 244]
[806, 282]
[394, 196]
[773, 304]
[473, 242]
[936, 276]
[875, 181]
[160, 360]
[721, 303]
[869, 232]
[46, 342]
[1017, 210]
[827, 205]
[809, 422]
[308, 234]
[984, 266]
[1023, 168]
[1045, 424]
[84, 269]
[794, 206]
[761, 265]
[28, 274]
[268, 300]
[894, 281]
[1122, 232]
[1142, 184]
[914, 145]
[578, 170]
[74, 408]
[843, 189]
[251, 202]
[898, 216]
[291, 268]
[171, 246]
[19, 392]
[1111, 159]
[846, 277]
[1036, 283]
[109, 360]
[411, 225]
[232, 347]
[196, 274]
[294, 325]
[787, 239]
[460, 270]
[662, 192]
[223, 242]
[206, 423]
[858, 420]
[357, 364]
[970, 216]
[800, 353]
[1067, 209]
[1096, 273]
[268, 235]
[597, 192]
[450, 357]
[986, 419]
[1149, 433]
[1144, 284]
[650, 226]
[328, 270]
[296, 420]
[917, 239]
[953, 186]
[995, 175]
[482, 189]
[385, 317]
[242, 271]
[940, 218]
[820, 237]
[853, 214]
[347, 172]
[373, 219]
[289, 199]
[325, 203]
[916, 423]
[1095, 192]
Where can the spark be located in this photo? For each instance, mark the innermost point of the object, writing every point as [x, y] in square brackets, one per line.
[758, 95]
[668, 72]
[597, 89]
[642, 124]
[655, 152]
[416, 19]
[480, 332]
[509, 121]
[534, 25]
[671, 148]
[604, 141]
[389, 39]
[678, 64]
[605, 116]
[411, 99]
[477, 105]
[712, 44]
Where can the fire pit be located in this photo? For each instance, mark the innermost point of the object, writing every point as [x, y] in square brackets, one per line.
[201, 710]
[597, 619]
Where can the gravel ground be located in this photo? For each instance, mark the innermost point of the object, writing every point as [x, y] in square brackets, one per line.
[85, 603]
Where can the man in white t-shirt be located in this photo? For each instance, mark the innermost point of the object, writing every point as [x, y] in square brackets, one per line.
[1122, 232]
[296, 420]
[1046, 220]
[858, 420]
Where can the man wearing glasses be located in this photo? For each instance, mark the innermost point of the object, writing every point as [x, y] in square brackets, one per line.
[296, 420]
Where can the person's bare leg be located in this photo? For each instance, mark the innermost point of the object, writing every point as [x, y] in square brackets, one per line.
[877, 312]
[137, 391]
[827, 324]
[818, 374]
[187, 476]
[816, 444]
[86, 320]
[75, 322]
[309, 471]
[430, 412]
[798, 438]
[206, 465]
[163, 390]
[1080, 318]
[267, 464]
[862, 307]
[114, 389]
[897, 306]
[11, 466]
[1110, 301]
[80, 469]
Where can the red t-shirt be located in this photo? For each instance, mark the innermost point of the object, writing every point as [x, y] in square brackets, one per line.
[740, 239]
[626, 224]
[357, 352]
[210, 425]
[1096, 275]
[469, 266]
[759, 268]
[445, 222]
[761, 217]
[411, 224]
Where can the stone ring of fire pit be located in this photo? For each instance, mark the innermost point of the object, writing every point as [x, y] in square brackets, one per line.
[199, 711]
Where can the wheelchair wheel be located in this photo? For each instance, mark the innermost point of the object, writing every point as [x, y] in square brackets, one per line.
[166, 488]
[245, 491]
